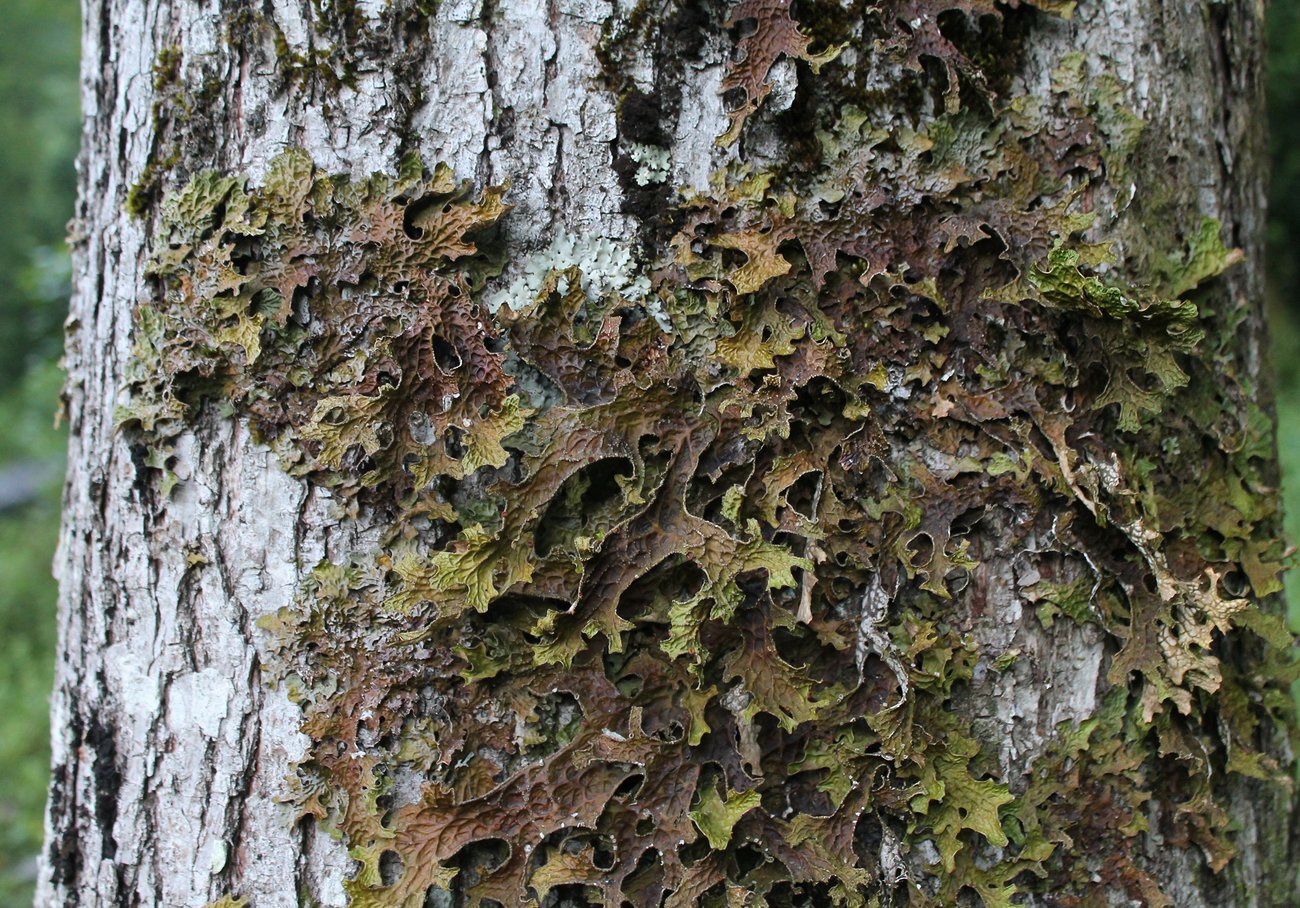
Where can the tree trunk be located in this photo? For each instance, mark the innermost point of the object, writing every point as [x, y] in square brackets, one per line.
[842, 476]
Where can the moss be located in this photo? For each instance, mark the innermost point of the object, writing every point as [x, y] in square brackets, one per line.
[180, 113]
[328, 66]
[145, 191]
[671, 599]
[167, 69]
[170, 104]
[617, 33]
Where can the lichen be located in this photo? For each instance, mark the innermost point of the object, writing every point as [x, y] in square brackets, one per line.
[669, 608]
[654, 164]
[605, 268]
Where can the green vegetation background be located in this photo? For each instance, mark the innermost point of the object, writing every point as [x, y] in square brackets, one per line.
[39, 125]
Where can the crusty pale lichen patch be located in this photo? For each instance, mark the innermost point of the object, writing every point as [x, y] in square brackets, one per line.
[664, 610]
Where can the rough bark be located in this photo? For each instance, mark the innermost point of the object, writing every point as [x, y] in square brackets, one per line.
[171, 748]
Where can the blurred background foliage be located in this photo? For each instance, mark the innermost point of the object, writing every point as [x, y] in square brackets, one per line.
[39, 132]
[39, 127]
[1283, 268]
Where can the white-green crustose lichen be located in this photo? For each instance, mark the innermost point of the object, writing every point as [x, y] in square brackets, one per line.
[655, 163]
[608, 268]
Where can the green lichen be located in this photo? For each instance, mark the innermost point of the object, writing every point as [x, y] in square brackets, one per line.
[671, 606]
[717, 816]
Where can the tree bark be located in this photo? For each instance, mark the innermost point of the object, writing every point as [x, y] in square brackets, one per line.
[179, 719]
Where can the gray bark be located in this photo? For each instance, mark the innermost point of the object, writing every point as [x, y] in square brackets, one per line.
[169, 751]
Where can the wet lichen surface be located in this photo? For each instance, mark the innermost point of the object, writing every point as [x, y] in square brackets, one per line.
[665, 611]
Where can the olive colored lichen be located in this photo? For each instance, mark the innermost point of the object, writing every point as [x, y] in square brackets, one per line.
[667, 609]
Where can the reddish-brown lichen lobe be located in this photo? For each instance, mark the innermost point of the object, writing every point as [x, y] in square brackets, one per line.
[665, 604]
